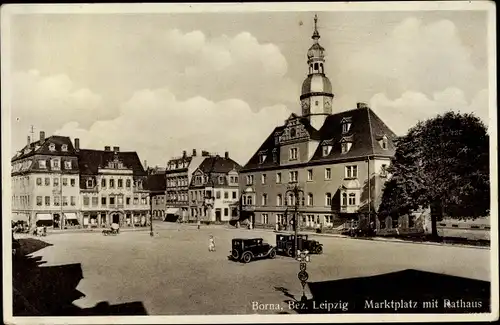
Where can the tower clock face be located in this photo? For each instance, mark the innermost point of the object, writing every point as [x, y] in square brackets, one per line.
[305, 107]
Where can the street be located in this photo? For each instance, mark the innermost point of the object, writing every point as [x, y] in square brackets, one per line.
[173, 273]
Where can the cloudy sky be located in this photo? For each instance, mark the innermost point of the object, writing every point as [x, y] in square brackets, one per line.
[160, 83]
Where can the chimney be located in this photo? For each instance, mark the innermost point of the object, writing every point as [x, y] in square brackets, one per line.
[361, 105]
[184, 154]
[145, 164]
[194, 152]
[107, 148]
[116, 149]
[29, 140]
[226, 154]
[77, 144]
[204, 153]
[42, 136]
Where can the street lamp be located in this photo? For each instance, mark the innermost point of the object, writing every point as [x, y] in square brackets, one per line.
[295, 190]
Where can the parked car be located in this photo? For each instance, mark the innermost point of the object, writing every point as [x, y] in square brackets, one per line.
[356, 229]
[285, 244]
[246, 250]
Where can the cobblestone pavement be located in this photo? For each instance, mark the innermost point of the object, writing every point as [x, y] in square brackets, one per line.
[173, 272]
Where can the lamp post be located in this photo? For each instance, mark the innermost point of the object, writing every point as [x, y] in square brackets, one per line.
[295, 190]
[151, 195]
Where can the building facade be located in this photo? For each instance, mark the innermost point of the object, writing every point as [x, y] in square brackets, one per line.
[45, 182]
[214, 190]
[157, 186]
[338, 160]
[113, 188]
[177, 179]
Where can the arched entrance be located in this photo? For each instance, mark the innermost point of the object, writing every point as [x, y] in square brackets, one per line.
[116, 217]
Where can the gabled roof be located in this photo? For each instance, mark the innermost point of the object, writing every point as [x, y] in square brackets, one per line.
[43, 148]
[218, 164]
[366, 130]
[89, 161]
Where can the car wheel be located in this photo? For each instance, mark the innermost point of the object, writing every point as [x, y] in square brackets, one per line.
[247, 257]
[289, 251]
[272, 253]
[235, 254]
[319, 250]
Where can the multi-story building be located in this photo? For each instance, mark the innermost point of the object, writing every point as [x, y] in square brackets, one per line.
[214, 192]
[157, 186]
[338, 160]
[177, 178]
[112, 188]
[45, 182]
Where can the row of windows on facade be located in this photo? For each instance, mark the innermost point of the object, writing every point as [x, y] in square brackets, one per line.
[200, 195]
[174, 182]
[119, 183]
[347, 200]
[310, 218]
[112, 200]
[198, 180]
[55, 182]
[52, 148]
[203, 212]
[56, 200]
[293, 176]
[55, 164]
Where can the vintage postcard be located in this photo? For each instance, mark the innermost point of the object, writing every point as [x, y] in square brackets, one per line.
[263, 163]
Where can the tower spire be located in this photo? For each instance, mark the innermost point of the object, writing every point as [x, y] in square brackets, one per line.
[315, 35]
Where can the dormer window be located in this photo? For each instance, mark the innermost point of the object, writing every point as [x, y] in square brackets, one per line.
[64, 147]
[67, 164]
[383, 142]
[346, 146]
[90, 183]
[221, 179]
[346, 127]
[326, 150]
[52, 147]
[293, 153]
[42, 164]
[275, 155]
[55, 164]
[262, 158]
[293, 132]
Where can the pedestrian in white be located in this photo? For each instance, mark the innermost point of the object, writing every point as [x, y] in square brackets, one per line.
[211, 244]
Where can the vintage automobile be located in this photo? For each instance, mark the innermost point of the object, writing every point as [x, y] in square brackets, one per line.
[246, 250]
[285, 244]
[114, 230]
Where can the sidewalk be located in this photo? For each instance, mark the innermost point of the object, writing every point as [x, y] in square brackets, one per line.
[381, 239]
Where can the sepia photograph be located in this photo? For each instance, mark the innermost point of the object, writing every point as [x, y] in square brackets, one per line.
[263, 162]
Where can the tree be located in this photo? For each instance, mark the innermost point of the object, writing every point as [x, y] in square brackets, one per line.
[442, 163]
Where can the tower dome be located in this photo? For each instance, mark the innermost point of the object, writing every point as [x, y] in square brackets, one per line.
[316, 95]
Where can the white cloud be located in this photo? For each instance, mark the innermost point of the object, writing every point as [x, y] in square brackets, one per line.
[404, 112]
[159, 126]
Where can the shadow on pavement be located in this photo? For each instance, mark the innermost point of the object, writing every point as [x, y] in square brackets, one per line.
[50, 291]
[407, 291]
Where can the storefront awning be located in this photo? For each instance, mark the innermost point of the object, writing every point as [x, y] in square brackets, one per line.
[70, 216]
[172, 211]
[20, 217]
[43, 216]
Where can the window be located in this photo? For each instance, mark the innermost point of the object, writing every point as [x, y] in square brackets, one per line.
[352, 199]
[328, 199]
[72, 181]
[316, 102]
[55, 164]
[67, 164]
[64, 147]
[328, 173]
[346, 146]
[111, 200]
[383, 143]
[65, 181]
[346, 127]
[57, 200]
[264, 199]
[249, 179]
[86, 201]
[73, 200]
[90, 183]
[234, 194]
[39, 181]
[127, 183]
[294, 175]
[136, 200]
[143, 201]
[278, 178]
[310, 201]
[262, 158]
[236, 179]
[226, 195]
[263, 178]
[65, 200]
[120, 200]
[120, 183]
[226, 212]
[383, 170]
[47, 181]
[309, 175]
[95, 201]
[52, 147]
[39, 200]
[249, 200]
[127, 201]
[290, 199]
[351, 171]
[293, 153]
[56, 182]
[265, 218]
[111, 183]
[103, 182]
[42, 164]
[217, 194]
[344, 199]
[47, 200]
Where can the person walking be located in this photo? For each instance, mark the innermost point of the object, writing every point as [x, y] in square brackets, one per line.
[211, 244]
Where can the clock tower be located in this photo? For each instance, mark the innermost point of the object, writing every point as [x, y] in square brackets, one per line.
[316, 97]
